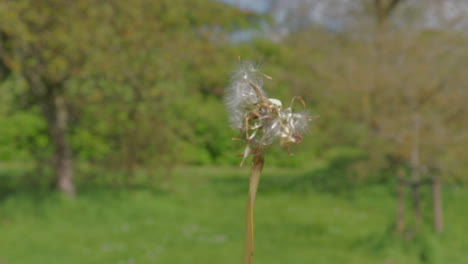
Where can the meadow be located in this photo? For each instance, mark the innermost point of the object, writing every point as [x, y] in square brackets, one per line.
[115, 144]
[197, 216]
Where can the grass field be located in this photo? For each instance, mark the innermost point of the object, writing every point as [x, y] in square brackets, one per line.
[198, 217]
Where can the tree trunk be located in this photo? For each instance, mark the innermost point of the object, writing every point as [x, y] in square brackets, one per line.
[58, 123]
[400, 221]
[415, 172]
[383, 10]
[437, 204]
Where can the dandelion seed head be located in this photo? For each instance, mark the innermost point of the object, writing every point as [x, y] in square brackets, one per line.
[275, 102]
[262, 120]
[271, 131]
[249, 71]
[241, 95]
[301, 121]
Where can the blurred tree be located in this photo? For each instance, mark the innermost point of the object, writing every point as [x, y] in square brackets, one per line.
[394, 95]
[43, 44]
[409, 91]
[129, 66]
[425, 108]
[384, 9]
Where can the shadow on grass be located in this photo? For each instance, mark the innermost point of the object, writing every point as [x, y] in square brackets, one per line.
[24, 182]
[425, 246]
[38, 185]
[333, 178]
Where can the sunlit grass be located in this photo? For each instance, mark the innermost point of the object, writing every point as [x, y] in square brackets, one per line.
[197, 217]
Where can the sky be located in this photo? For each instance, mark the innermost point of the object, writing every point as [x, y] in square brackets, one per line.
[330, 13]
[259, 6]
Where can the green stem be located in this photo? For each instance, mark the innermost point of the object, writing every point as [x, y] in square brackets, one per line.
[257, 167]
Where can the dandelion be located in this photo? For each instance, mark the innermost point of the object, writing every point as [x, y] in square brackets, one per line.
[262, 121]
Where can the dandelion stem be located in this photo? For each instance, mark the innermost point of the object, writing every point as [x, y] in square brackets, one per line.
[256, 171]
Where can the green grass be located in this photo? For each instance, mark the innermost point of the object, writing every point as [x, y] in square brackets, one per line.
[198, 217]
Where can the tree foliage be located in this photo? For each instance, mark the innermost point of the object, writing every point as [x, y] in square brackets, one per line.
[141, 84]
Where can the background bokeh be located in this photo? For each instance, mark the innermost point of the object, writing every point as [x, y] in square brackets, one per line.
[115, 145]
